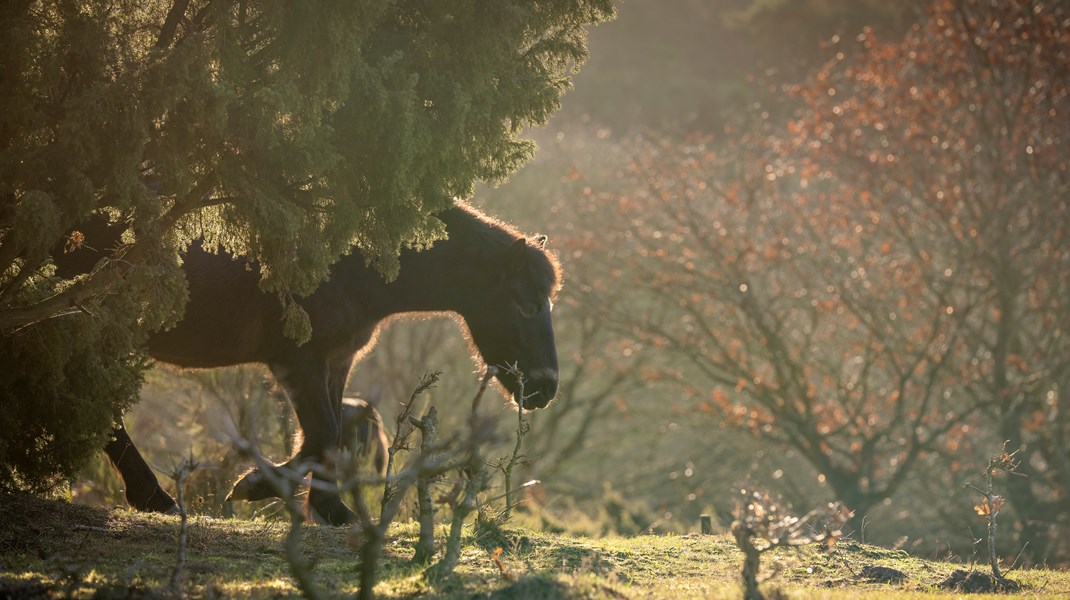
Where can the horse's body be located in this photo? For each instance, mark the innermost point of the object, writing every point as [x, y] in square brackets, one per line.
[498, 283]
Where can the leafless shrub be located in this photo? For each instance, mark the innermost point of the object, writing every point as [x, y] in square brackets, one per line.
[369, 533]
[403, 429]
[179, 473]
[506, 465]
[476, 477]
[761, 525]
[433, 460]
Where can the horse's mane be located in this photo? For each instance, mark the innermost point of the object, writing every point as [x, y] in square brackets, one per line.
[469, 225]
[486, 235]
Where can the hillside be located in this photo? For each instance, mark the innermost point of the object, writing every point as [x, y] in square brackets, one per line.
[56, 549]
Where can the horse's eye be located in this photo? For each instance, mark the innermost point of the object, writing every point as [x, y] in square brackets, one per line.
[528, 311]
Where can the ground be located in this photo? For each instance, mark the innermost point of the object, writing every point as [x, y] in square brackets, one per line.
[56, 549]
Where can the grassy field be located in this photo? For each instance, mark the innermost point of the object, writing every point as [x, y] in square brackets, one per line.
[55, 549]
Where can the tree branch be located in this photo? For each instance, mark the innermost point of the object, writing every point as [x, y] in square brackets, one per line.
[170, 24]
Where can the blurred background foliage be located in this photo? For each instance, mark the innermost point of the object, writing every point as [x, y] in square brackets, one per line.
[814, 246]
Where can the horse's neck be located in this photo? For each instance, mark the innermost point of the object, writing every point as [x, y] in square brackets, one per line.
[446, 276]
[430, 281]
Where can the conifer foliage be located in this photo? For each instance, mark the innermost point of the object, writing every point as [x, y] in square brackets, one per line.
[287, 132]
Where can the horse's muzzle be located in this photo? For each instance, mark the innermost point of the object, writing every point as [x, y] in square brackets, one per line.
[540, 387]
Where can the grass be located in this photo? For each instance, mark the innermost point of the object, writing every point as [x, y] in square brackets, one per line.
[56, 549]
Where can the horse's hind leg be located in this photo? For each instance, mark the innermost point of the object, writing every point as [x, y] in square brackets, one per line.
[143, 491]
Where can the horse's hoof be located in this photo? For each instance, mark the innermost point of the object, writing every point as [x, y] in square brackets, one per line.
[238, 492]
[331, 512]
[252, 486]
[158, 501]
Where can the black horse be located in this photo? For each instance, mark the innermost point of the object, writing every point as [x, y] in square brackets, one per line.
[500, 284]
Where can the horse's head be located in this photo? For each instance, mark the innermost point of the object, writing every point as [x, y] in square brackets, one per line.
[510, 322]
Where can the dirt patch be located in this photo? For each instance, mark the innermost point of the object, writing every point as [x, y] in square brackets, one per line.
[869, 574]
[978, 582]
[879, 574]
[25, 589]
[542, 587]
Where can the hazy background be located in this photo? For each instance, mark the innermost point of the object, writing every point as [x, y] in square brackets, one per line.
[632, 444]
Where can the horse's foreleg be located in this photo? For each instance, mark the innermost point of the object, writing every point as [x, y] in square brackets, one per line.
[143, 491]
[308, 384]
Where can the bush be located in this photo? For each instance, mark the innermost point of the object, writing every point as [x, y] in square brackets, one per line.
[53, 425]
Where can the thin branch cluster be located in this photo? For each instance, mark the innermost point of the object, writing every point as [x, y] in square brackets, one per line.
[433, 459]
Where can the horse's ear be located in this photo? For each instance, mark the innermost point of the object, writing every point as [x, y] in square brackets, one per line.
[517, 254]
[540, 241]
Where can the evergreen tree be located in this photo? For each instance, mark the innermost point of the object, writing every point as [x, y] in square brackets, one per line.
[286, 132]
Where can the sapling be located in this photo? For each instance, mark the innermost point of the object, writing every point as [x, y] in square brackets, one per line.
[991, 503]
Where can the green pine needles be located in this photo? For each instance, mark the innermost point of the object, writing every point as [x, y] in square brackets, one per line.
[286, 132]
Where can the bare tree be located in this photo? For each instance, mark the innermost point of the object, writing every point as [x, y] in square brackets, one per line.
[799, 320]
[956, 136]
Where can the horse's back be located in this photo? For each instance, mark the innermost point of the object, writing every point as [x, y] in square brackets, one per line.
[228, 319]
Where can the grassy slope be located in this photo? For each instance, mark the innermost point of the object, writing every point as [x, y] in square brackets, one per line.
[54, 549]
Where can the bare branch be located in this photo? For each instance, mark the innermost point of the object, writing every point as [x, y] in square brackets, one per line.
[425, 544]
